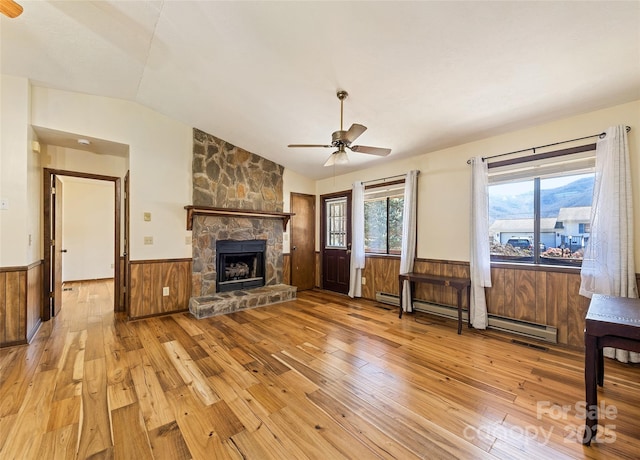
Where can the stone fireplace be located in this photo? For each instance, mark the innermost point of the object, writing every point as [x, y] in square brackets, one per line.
[236, 195]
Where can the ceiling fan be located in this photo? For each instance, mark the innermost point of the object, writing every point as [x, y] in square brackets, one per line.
[10, 8]
[343, 139]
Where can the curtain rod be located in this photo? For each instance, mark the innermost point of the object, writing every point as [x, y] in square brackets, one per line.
[385, 178]
[601, 136]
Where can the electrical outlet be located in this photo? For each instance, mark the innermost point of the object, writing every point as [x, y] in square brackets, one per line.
[165, 291]
[364, 281]
[148, 240]
[187, 240]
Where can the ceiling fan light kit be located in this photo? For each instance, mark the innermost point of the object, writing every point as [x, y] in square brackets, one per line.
[342, 139]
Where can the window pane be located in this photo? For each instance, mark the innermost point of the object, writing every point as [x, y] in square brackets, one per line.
[511, 218]
[396, 205]
[336, 212]
[565, 212]
[375, 225]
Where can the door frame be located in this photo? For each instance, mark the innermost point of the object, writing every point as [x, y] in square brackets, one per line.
[48, 175]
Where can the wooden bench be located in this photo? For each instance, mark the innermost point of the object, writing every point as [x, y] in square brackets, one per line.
[459, 284]
[610, 322]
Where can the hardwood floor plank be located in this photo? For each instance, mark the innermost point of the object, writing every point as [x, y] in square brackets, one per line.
[32, 417]
[191, 375]
[153, 404]
[167, 442]
[323, 376]
[60, 443]
[130, 439]
[95, 420]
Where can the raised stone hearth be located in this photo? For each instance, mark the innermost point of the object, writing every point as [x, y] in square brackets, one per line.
[228, 302]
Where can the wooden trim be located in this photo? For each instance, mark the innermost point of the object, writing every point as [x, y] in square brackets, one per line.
[159, 261]
[34, 330]
[231, 212]
[156, 315]
[22, 268]
[14, 269]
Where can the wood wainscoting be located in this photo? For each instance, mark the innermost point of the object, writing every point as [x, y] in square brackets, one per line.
[149, 277]
[539, 294]
[20, 303]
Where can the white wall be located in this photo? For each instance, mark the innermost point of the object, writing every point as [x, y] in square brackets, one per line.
[444, 182]
[87, 229]
[15, 181]
[160, 153]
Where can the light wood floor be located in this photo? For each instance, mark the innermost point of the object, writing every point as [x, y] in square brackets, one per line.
[320, 377]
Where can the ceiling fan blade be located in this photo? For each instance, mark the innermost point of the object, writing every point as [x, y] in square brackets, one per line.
[10, 8]
[354, 132]
[371, 150]
[308, 145]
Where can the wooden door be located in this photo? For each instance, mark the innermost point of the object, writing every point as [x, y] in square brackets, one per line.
[336, 241]
[57, 248]
[303, 242]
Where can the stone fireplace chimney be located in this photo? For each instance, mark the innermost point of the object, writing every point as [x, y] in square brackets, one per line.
[226, 177]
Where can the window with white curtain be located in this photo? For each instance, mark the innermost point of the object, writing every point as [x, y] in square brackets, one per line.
[539, 211]
[383, 218]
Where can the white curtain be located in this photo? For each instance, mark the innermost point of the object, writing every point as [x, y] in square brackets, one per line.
[608, 266]
[357, 240]
[479, 257]
[408, 250]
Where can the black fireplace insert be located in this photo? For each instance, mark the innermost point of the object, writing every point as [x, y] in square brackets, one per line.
[240, 264]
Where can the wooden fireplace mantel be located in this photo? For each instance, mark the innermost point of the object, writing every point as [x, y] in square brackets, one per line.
[211, 211]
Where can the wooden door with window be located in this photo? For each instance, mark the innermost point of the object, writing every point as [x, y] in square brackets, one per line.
[336, 241]
[303, 243]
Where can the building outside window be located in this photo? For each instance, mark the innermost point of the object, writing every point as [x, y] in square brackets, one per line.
[539, 212]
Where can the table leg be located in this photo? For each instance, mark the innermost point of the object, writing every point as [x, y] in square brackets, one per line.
[459, 311]
[591, 390]
[600, 371]
[401, 285]
[469, 307]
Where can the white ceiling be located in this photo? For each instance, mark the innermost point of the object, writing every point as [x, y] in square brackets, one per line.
[420, 75]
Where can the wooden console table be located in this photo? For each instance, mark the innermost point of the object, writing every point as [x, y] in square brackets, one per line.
[459, 284]
[610, 322]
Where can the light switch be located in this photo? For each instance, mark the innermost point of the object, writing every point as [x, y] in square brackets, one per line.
[147, 217]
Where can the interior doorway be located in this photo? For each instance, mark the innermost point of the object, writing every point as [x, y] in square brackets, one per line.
[54, 249]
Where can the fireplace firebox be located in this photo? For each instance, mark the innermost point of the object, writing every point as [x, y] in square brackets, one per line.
[240, 264]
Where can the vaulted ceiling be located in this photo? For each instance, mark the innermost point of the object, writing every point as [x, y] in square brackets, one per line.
[420, 75]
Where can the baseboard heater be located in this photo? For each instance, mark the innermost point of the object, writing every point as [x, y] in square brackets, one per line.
[524, 328]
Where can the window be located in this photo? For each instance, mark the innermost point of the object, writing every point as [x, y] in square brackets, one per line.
[539, 212]
[336, 213]
[383, 207]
